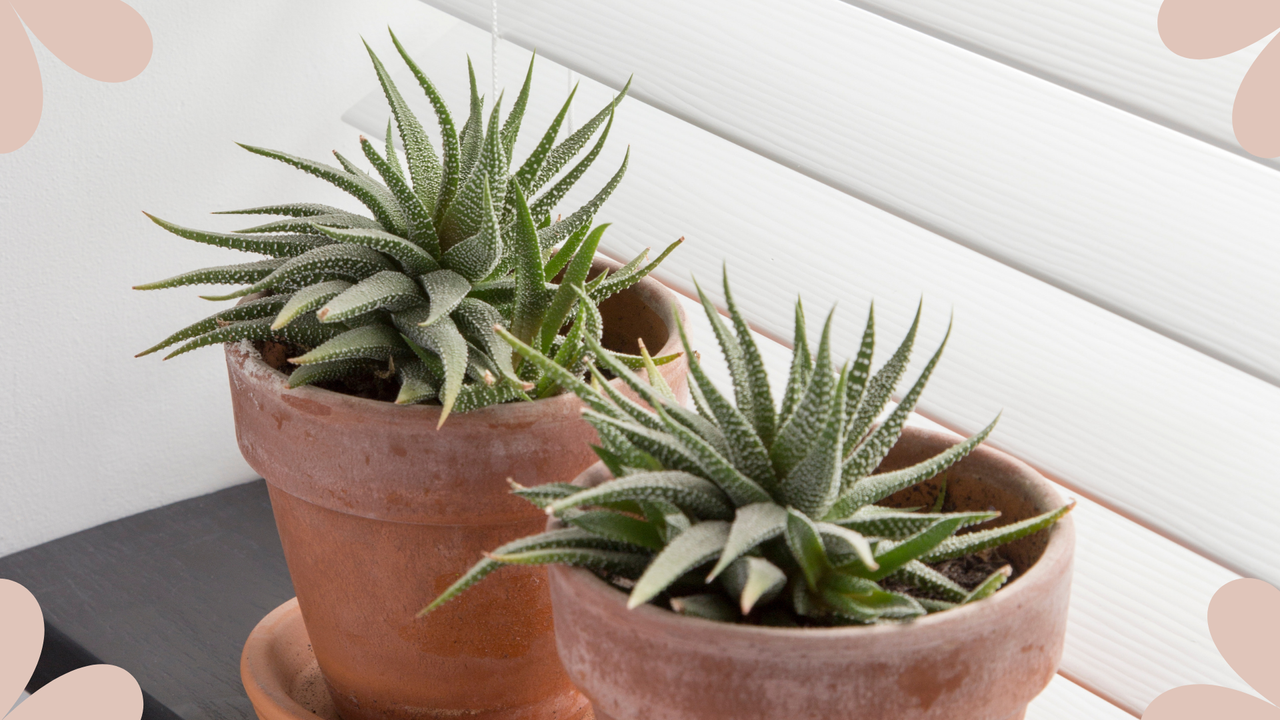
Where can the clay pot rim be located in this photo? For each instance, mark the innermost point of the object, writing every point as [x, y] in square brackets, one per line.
[1057, 551]
[666, 306]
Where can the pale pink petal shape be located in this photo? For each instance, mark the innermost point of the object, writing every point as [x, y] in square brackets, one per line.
[1201, 29]
[104, 39]
[22, 631]
[1209, 702]
[1256, 114]
[100, 692]
[21, 94]
[1244, 620]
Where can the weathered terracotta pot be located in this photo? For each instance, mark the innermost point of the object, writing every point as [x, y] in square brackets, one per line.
[980, 662]
[379, 512]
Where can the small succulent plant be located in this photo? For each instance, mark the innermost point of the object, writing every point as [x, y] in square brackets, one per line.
[456, 245]
[750, 512]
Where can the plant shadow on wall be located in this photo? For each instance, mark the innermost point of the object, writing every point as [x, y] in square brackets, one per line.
[1244, 620]
[103, 39]
[105, 692]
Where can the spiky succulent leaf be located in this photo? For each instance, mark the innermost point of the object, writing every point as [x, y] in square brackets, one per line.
[279, 246]
[752, 525]
[387, 290]
[978, 540]
[874, 488]
[424, 167]
[882, 383]
[810, 417]
[694, 547]
[375, 197]
[868, 456]
[684, 490]
[251, 310]
[753, 581]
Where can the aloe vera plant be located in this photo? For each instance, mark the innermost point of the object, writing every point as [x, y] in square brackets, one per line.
[456, 245]
[750, 510]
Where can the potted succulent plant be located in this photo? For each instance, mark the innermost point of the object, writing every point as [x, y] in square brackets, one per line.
[381, 503]
[837, 590]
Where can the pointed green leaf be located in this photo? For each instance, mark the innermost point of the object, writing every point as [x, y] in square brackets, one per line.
[417, 383]
[511, 128]
[923, 577]
[477, 256]
[853, 542]
[861, 372]
[374, 196]
[252, 310]
[881, 385]
[877, 445]
[693, 547]
[467, 211]
[565, 151]
[222, 275]
[754, 581]
[528, 171]
[309, 298]
[801, 369]
[424, 166]
[810, 417]
[897, 525]
[763, 415]
[892, 555]
[708, 606]
[752, 525]
[874, 488]
[531, 292]
[288, 209]
[279, 246]
[443, 340]
[688, 492]
[412, 259]
[340, 261]
[422, 231]
[388, 290]
[988, 587]
[558, 232]
[305, 331]
[564, 298]
[806, 547]
[306, 225]
[368, 342]
[617, 526]
[549, 199]
[326, 371]
[746, 451]
[449, 137]
[973, 542]
[814, 483]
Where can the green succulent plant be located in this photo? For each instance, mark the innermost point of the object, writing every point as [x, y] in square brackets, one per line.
[750, 511]
[456, 246]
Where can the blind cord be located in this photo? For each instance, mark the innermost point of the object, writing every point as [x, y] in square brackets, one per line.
[493, 35]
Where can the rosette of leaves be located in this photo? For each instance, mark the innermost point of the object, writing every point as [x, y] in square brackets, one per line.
[456, 243]
[747, 510]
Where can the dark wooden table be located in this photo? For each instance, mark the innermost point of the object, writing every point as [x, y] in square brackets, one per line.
[169, 595]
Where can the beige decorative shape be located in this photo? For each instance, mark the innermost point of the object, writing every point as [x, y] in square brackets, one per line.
[1203, 29]
[1244, 620]
[103, 39]
[102, 692]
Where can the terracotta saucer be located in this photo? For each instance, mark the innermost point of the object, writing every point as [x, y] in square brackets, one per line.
[280, 672]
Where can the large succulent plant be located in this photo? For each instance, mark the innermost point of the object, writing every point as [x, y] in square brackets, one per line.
[746, 511]
[454, 248]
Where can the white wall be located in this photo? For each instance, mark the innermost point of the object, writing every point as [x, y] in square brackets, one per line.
[88, 433]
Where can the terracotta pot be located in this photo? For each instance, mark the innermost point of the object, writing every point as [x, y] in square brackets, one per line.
[985, 661]
[379, 512]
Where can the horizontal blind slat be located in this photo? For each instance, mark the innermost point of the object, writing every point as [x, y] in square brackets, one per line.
[1148, 223]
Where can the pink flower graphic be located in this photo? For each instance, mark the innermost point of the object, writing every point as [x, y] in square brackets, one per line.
[1244, 620]
[102, 692]
[103, 39]
[1203, 29]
